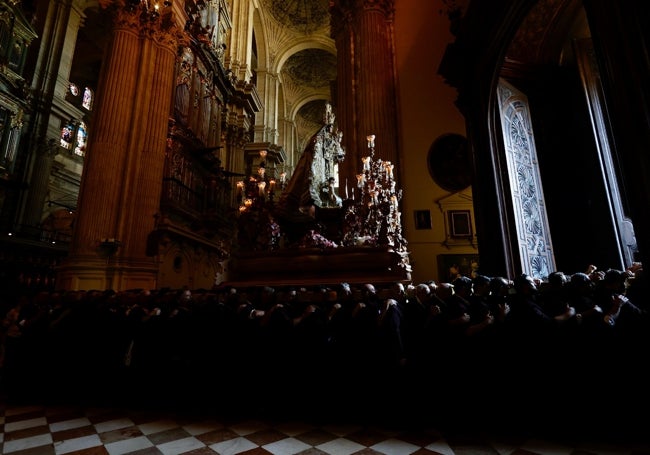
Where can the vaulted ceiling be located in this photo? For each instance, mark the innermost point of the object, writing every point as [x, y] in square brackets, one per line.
[307, 74]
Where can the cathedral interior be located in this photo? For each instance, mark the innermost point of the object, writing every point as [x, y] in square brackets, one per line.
[203, 146]
[244, 92]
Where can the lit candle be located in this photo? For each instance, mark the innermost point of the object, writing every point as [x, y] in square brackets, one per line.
[371, 140]
[366, 163]
[389, 169]
[240, 187]
[283, 176]
[271, 184]
[261, 186]
[360, 180]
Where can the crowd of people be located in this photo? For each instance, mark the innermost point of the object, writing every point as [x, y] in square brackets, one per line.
[474, 348]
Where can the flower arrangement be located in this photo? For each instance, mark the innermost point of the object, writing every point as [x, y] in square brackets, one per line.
[313, 239]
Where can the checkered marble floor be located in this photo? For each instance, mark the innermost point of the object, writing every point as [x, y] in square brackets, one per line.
[88, 430]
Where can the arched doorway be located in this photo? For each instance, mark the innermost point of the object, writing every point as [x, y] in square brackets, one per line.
[543, 52]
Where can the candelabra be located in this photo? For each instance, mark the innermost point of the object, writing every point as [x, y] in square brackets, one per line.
[258, 191]
[372, 215]
[258, 229]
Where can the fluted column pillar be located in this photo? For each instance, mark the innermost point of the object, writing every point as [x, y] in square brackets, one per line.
[239, 50]
[39, 183]
[50, 84]
[122, 176]
[146, 164]
[366, 101]
[266, 120]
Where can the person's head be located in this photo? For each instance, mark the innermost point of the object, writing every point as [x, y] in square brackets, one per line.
[185, 296]
[525, 285]
[557, 279]
[422, 292]
[614, 280]
[481, 285]
[462, 286]
[397, 290]
[369, 293]
[445, 290]
[500, 286]
[581, 283]
[410, 290]
[432, 285]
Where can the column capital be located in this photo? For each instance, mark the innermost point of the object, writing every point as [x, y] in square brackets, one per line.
[348, 8]
[345, 11]
[146, 20]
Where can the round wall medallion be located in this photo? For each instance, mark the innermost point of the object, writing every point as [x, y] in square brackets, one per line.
[449, 162]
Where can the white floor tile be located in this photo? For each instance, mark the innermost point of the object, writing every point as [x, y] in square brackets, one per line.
[440, 447]
[233, 446]
[23, 424]
[340, 446]
[27, 443]
[69, 424]
[287, 446]
[70, 445]
[180, 446]
[395, 447]
[128, 445]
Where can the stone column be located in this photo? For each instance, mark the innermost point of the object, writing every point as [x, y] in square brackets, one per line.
[366, 100]
[239, 48]
[50, 83]
[57, 48]
[122, 177]
[266, 120]
[39, 183]
[146, 165]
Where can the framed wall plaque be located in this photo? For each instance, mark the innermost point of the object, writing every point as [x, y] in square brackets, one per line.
[422, 219]
[460, 223]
